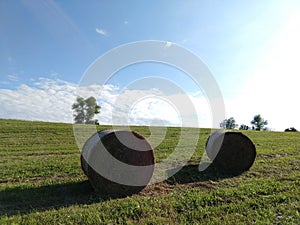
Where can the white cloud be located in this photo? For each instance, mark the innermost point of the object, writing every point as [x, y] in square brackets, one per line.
[168, 44]
[47, 100]
[153, 107]
[149, 111]
[101, 31]
[51, 100]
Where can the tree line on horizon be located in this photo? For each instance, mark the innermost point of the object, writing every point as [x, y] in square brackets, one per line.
[85, 110]
[258, 123]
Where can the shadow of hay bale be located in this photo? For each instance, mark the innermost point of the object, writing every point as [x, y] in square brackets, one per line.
[19, 200]
[191, 173]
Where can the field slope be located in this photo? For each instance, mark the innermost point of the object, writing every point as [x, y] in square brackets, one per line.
[41, 182]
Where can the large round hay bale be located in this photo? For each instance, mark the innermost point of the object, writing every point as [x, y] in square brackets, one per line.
[230, 151]
[118, 163]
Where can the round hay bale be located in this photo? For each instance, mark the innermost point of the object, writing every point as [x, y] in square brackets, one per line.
[230, 151]
[106, 157]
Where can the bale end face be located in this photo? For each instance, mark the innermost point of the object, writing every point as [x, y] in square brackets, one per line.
[136, 152]
[231, 151]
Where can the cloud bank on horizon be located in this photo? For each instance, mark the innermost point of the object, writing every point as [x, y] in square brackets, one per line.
[51, 100]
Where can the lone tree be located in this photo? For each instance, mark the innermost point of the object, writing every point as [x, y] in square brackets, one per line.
[85, 110]
[258, 122]
[228, 123]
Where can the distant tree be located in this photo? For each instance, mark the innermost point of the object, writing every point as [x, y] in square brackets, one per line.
[258, 122]
[228, 123]
[78, 108]
[244, 127]
[85, 110]
[291, 129]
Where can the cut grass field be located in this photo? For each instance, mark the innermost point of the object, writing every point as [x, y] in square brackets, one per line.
[41, 182]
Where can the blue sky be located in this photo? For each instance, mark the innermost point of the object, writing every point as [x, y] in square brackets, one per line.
[249, 46]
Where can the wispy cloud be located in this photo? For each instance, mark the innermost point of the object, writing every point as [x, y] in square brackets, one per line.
[4, 82]
[101, 31]
[13, 77]
[10, 59]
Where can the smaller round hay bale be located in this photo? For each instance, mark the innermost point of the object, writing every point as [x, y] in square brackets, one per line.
[106, 157]
[230, 151]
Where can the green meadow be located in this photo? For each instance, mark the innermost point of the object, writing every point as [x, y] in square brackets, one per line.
[41, 182]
